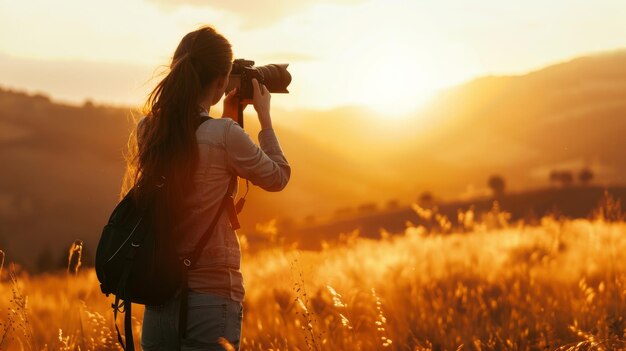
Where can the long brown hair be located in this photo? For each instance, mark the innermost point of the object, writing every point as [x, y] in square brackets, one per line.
[166, 152]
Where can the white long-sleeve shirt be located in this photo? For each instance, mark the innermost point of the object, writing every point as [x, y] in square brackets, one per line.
[224, 150]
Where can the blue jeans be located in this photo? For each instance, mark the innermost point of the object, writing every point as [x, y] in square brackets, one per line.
[209, 317]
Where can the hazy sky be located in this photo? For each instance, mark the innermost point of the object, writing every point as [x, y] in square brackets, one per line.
[390, 55]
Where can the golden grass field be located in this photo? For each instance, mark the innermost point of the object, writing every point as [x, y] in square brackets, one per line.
[488, 285]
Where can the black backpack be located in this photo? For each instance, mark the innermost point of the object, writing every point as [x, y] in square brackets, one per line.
[133, 265]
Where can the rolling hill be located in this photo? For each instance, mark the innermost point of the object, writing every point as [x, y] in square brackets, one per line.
[62, 164]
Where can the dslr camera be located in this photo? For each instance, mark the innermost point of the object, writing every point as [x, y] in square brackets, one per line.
[274, 76]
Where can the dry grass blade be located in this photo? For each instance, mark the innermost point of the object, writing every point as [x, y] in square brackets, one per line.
[1, 263]
[74, 257]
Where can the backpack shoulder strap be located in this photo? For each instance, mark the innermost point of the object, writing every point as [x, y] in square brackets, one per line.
[193, 256]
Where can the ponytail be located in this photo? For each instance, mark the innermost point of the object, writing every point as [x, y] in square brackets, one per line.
[169, 150]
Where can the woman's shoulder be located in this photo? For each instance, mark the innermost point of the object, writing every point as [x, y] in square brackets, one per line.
[215, 125]
[215, 131]
[223, 126]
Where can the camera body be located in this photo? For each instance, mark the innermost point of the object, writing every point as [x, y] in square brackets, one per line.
[275, 77]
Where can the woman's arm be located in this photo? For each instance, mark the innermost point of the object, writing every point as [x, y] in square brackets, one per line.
[265, 166]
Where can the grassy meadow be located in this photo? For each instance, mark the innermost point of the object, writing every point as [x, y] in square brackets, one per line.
[486, 284]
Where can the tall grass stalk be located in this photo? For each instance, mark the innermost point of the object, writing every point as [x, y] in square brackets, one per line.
[1, 263]
[4, 327]
[18, 316]
[381, 321]
[74, 257]
[310, 336]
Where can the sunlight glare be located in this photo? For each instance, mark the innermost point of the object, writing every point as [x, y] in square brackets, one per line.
[390, 77]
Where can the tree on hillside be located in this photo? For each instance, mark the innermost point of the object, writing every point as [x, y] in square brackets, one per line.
[393, 204]
[555, 176]
[41, 97]
[585, 176]
[425, 199]
[88, 103]
[497, 185]
[564, 178]
[344, 211]
[367, 207]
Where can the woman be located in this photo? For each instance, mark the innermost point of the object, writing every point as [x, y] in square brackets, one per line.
[199, 157]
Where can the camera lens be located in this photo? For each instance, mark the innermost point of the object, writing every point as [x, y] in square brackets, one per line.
[275, 77]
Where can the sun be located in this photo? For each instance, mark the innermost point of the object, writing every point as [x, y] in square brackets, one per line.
[390, 79]
[396, 93]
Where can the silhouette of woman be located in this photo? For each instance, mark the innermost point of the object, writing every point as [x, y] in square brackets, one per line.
[201, 158]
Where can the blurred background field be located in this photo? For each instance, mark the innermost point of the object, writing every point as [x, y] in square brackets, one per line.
[486, 284]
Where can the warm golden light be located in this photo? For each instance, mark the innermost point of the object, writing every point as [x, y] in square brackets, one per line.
[442, 175]
[389, 55]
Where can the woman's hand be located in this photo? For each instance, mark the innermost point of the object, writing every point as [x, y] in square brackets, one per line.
[231, 106]
[261, 102]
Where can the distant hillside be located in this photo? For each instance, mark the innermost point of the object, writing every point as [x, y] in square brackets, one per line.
[564, 116]
[60, 174]
[63, 164]
[529, 206]
[63, 167]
